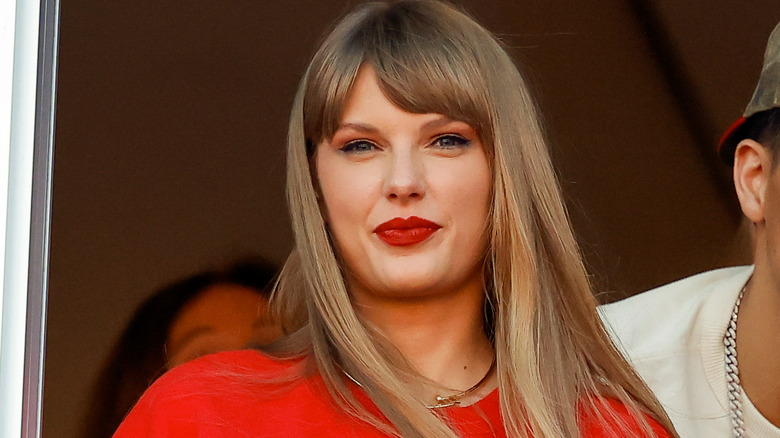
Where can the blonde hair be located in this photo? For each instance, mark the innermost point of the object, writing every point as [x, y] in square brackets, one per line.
[554, 358]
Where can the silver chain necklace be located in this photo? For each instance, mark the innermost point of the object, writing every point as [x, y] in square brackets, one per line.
[732, 371]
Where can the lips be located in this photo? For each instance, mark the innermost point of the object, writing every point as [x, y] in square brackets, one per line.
[406, 232]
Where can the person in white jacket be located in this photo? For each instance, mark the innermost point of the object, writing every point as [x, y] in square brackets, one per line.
[709, 345]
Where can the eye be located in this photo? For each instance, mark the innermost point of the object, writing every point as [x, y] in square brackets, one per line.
[450, 141]
[358, 146]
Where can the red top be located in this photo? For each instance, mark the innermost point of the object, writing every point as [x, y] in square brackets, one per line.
[227, 395]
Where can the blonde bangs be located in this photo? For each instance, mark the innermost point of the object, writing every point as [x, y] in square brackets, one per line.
[421, 65]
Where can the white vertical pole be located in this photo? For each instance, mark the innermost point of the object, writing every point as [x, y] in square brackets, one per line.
[16, 147]
[7, 28]
[28, 35]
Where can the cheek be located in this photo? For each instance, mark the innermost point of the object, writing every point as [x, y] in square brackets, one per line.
[340, 201]
[475, 200]
[479, 193]
[347, 190]
[347, 197]
[471, 192]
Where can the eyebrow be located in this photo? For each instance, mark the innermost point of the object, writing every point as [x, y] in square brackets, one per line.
[437, 122]
[360, 127]
[440, 121]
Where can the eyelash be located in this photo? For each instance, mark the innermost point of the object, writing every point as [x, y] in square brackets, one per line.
[456, 140]
[352, 146]
[363, 146]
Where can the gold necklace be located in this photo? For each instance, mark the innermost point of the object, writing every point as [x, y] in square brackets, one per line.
[455, 399]
[446, 400]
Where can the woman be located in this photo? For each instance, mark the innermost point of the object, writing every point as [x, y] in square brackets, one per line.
[436, 289]
[210, 311]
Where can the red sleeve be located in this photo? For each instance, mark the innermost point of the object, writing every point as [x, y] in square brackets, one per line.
[193, 399]
[155, 416]
[594, 427]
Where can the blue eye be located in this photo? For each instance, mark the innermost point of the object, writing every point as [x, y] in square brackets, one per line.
[358, 146]
[451, 141]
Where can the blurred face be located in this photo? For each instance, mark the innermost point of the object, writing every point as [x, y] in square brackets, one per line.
[222, 317]
[405, 196]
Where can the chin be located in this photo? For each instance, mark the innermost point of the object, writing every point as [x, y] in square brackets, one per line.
[406, 285]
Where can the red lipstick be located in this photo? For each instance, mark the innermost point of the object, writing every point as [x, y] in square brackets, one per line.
[406, 232]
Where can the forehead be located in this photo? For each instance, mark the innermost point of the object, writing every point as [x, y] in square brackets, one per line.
[367, 107]
[364, 96]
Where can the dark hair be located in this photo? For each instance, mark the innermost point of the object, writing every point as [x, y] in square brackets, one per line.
[138, 358]
[765, 129]
[762, 127]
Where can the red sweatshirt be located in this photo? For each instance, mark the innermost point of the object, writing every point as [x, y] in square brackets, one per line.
[227, 395]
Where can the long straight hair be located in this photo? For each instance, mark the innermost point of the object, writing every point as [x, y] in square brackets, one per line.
[555, 361]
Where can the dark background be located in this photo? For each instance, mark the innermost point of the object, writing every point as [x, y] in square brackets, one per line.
[171, 120]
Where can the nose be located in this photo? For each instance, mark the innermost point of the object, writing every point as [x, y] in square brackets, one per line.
[405, 176]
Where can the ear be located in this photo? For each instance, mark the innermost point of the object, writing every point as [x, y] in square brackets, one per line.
[752, 168]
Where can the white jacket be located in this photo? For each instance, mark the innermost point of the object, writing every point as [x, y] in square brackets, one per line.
[673, 335]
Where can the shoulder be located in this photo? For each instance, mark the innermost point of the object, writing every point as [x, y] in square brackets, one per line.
[206, 391]
[215, 372]
[614, 419]
[681, 293]
[228, 363]
[673, 336]
[663, 316]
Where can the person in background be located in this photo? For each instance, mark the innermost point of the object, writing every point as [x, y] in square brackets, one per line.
[684, 338]
[435, 289]
[208, 312]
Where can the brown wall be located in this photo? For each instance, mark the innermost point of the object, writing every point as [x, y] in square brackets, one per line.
[171, 121]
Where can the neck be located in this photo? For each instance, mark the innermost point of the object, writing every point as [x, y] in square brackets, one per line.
[758, 346]
[440, 335]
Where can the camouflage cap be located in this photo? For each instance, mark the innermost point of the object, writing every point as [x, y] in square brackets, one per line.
[766, 96]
